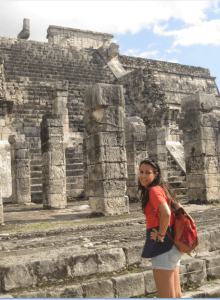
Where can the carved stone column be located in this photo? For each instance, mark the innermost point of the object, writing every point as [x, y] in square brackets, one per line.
[201, 145]
[53, 162]
[20, 169]
[1, 207]
[59, 102]
[105, 144]
[157, 148]
[136, 149]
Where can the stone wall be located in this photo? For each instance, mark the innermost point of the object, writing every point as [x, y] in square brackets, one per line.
[134, 62]
[76, 37]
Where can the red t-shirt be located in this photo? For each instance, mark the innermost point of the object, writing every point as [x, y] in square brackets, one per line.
[157, 196]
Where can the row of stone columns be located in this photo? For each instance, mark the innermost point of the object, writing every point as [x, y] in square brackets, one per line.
[106, 158]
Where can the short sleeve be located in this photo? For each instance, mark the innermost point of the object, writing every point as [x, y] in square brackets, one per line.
[157, 197]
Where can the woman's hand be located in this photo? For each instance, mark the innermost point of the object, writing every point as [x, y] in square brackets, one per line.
[154, 235]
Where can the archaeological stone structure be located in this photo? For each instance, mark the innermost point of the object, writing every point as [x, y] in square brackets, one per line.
[76, 104]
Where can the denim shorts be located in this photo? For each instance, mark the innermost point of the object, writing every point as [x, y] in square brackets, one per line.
[167, 261]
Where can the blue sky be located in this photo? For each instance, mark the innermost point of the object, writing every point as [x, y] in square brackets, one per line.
[185, 32]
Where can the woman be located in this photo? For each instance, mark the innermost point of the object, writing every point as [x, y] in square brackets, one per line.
[156, 196]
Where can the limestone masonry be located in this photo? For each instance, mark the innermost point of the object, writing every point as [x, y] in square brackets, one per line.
[77, 117]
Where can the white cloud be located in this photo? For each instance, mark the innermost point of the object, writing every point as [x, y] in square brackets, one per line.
[204, 33]
[173, 50]
[152, 45]
[102, 16]
[216, 8]
[131, 52]
[149, 54]
[174, 60]
[136, 52]
[163, 58]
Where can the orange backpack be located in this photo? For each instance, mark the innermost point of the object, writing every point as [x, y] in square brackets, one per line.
[185, 231]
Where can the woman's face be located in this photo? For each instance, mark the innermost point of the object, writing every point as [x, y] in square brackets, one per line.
[146, 175]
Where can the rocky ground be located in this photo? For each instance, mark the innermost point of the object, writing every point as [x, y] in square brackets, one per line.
[66, 253]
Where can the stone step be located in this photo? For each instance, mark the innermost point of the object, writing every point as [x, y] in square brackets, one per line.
[180, 191]
[66, 270]
[211, 289]
[36, 187]
[136, 283]
[36, 196]
[176, 178]
[74, 166]
[177, 184]
[74, 173]
[173, 173]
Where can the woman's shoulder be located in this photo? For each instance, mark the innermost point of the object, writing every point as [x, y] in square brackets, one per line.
[156, 189]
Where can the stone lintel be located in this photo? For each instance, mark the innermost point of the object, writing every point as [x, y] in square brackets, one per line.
[59, 29]
[198, 101]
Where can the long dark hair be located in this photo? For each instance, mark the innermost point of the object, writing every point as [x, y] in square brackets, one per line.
[158, 181]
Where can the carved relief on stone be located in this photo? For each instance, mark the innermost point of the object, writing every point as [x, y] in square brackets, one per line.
[113, 50]
[25, 33]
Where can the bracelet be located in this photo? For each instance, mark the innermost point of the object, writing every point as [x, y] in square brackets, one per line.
[161, 234]
[158, 240]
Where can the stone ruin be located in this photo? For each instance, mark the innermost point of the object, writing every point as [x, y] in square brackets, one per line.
[77, 117]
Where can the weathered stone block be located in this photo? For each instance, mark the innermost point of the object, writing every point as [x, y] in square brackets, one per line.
[20, 154]
[202, 133]
[133, 194]
[102, 139]
[111, 260]
[53, 172]
[106, 171]
[205, 241]
[56, 200]
[23, 172]
[51, 120]
[107, 188]
[214, 239]
[101, 119]
[130, 285]
[194, 119]
[106, 154]
[51, 146]
[212, 266]
[1, 211]
[104, 94]
[74, 291]
[54, 186]
[150, 286]
[201, 147]
[196, 270]
[56, 157]
[98, 289]
[133, 253]
[109, 206]
[135, 136]
[198, 101]
[19, 275]
[183, 274]
[202, 164]
[84, 265]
